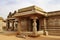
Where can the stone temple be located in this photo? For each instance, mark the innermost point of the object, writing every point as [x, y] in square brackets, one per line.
[34, 21]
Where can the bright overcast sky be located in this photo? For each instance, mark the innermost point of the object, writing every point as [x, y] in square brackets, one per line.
[10, 5]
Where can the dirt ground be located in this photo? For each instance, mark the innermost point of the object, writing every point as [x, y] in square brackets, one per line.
[5, 37]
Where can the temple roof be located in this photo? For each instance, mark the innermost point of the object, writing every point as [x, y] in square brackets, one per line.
[53, 13]
[30, 8]
[33, 10]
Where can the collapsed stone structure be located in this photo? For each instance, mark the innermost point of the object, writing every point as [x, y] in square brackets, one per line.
[34, 21]
[2, 24]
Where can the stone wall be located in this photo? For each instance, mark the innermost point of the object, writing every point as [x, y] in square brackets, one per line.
[23, 24]
[53, 25]
[41, 24]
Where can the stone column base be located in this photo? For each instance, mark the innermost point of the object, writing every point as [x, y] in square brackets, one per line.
[45, 33]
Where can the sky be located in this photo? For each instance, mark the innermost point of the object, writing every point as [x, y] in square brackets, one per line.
[7, 6]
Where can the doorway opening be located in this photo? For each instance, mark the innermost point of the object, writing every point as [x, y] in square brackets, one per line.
[37, 24]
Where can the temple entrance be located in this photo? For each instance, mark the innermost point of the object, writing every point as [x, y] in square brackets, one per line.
[37, 21]
[37, 24]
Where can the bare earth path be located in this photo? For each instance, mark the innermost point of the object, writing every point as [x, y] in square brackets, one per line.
[4, 37]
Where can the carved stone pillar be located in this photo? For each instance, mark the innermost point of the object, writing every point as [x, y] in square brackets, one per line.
[45, 24]
[19, 26]
[34, 26]
[7, 24]
[13, 25]
[45, 31]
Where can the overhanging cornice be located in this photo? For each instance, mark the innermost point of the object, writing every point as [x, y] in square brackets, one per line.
[29, 12]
